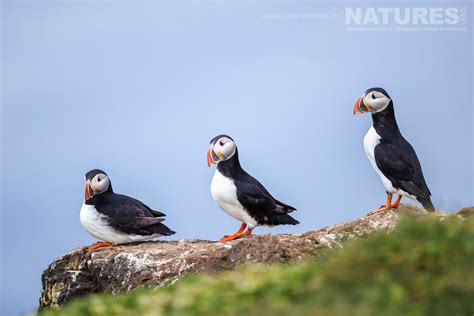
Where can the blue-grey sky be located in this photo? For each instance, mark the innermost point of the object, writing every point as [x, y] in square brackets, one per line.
[139, 88]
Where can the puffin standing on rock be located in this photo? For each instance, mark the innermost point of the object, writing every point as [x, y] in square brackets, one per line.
[390, 154]
[116, 218]
[239, 194]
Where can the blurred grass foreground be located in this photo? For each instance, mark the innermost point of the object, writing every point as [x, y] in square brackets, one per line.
[425, 266]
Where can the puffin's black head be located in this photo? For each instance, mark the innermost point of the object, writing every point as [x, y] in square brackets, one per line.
[222, 148]
[97, 182]
[373, 100]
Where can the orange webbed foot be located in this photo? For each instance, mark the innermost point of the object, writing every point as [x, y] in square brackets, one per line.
[380, 209]
[238, 234]
[235, 236]
[387, 206]
[99, 244]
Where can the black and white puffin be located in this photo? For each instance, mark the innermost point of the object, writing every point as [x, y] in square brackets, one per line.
[239, 194]
[390, 154]
[116, 218]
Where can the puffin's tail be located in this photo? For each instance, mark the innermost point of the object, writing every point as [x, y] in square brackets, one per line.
[282, 219]
[161, 229]
[283, 207]
[427, 204]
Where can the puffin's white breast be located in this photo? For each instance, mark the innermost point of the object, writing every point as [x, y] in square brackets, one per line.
[97, 225]
[371, 140]
[224, 192]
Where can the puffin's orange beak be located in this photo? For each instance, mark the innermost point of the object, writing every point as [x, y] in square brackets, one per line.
[90, 191]
[209, 157]
[360, 107]
[212, 156]
[87, 194]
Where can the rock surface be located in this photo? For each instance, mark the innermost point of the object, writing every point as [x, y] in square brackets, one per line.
[123, 268]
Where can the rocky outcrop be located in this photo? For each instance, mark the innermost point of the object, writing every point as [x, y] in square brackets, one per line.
[123, 268]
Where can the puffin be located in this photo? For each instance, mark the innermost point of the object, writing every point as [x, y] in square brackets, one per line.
[239, 194]
[115, 218]
[390, 154]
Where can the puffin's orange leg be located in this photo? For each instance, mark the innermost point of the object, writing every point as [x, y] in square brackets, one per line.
[394, 205]
[99, 245]
[235, 236]
[241, 229]
[388, 205]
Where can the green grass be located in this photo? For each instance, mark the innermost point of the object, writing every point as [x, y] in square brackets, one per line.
[424, 267]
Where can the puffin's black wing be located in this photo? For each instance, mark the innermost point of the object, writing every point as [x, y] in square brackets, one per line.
[131, 216]
[155, 213]
[260, 203]
[254, 198]
[399, 163]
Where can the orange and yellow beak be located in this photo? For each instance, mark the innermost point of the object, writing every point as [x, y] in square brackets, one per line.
[209, 158]
[89, 192]
[212, 156]
[360, 107]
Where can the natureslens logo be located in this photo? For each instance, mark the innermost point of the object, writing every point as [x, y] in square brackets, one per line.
[405, 16]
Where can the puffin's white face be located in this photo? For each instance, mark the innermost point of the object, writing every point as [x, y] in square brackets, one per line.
[221, 149]
[373, 100]
[97, 185]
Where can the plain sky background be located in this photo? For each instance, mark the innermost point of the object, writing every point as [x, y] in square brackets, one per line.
[139, 88]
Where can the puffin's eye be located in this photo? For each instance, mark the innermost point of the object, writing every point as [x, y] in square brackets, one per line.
[221, 143]
[373, 96]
